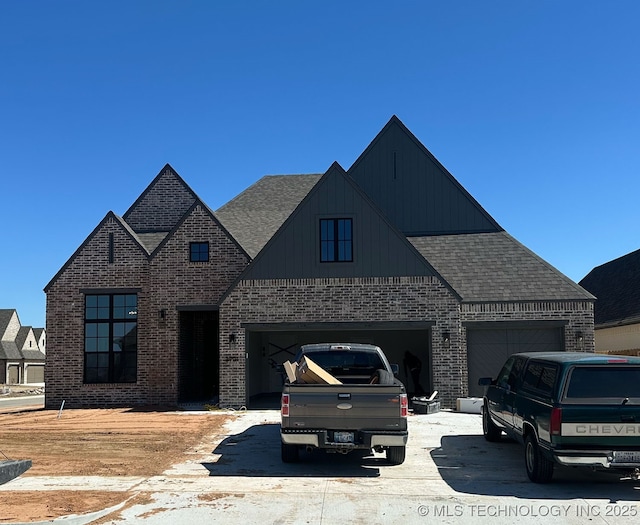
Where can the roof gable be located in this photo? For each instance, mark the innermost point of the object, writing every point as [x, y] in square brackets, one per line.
[616, 285]
[415, 191]
[379, 250]
[198, 205]
[162, 204]
[256, 214]
[9, 324]
[110, 218]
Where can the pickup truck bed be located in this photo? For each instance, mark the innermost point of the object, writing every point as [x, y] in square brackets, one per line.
[345, 417]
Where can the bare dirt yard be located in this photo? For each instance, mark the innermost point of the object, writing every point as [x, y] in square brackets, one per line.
[96, 442]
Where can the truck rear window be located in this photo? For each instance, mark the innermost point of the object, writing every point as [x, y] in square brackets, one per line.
[608, 383]
[345, 362]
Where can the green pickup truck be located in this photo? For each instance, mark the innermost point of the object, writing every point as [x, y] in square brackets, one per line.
[575, 409]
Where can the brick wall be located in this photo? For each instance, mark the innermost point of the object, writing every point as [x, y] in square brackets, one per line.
[379, 300]
[165, 282]
[339, 300]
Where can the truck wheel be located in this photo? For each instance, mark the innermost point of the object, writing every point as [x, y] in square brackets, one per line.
[489, 429]
[289, 453]
[539, 468]
[382, 377]
[396, 455]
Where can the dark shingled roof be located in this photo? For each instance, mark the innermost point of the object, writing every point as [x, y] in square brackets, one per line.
[5, 318]
[33, 355]
[9, 350]
[256, 214]
[495, 267]
[616, 285]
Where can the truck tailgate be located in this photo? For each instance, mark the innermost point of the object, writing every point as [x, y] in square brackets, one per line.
[601, 426]
[345, 407]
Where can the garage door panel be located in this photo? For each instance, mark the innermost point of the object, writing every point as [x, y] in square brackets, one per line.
[488, 349]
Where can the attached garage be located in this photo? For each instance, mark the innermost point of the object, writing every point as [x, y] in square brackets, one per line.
[488, 348]
[268, 346]
[13, 374]
[34, 374]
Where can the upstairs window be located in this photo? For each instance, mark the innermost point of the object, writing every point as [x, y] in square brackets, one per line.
[336, 240]
[199, 251]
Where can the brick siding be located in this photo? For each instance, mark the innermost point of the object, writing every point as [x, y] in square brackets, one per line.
[166, 281]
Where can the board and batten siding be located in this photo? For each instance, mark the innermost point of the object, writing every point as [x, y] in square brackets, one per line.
[379, 250]
[416, 193]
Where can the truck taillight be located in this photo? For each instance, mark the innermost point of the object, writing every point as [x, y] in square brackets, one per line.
[284, 406]
[555, 425]
[404, 405]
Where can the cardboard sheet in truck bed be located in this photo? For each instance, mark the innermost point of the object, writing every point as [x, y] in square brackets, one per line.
[307, 371]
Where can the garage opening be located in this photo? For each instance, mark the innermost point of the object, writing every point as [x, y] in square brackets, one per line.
[268, 349]
[199, 356]
[34, 374]
[488, 348]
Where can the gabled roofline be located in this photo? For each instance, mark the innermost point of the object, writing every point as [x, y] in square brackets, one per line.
[394, 120]
[336, 166]
[110, 215]
[167, 166]
[185, 216]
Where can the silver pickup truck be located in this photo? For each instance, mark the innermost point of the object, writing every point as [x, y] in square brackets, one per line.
[366, 411]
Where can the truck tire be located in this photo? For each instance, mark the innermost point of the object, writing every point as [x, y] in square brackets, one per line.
[539, 468]
[289, 453]
[382, 377]
[396, 455]
[489, 429]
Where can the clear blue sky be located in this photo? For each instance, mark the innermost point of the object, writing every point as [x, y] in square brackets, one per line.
[533, 105]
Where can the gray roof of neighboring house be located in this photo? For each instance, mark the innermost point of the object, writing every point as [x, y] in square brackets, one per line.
[256, 214]
[496, 267]
[33, 355]
[616, 285]
[5, 317]
[9, 350]
[23, 333]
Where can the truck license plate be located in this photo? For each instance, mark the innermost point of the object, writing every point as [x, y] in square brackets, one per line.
[624, 456]
[343, 437]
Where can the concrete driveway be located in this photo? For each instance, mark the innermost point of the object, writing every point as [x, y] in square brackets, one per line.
[451, 475]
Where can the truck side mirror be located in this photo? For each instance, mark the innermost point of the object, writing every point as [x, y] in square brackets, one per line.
[485, 381]
[395, 369]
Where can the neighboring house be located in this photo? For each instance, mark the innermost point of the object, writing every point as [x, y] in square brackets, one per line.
[616, 285]
[21, 359]
[172, 302]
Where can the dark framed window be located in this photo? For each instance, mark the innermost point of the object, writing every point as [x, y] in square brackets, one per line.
[111, 338]
[336, 240]
[199, 251]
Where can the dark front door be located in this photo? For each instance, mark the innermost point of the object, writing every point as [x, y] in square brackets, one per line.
[199, 356]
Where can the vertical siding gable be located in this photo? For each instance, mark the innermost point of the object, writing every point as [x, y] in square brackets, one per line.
[379, 250]
[162, 204]
[415, 191]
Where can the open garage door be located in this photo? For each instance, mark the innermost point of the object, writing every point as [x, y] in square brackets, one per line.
[268, 347]
[488, 349]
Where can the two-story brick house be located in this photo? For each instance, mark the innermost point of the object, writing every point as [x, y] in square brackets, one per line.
[173, 302]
